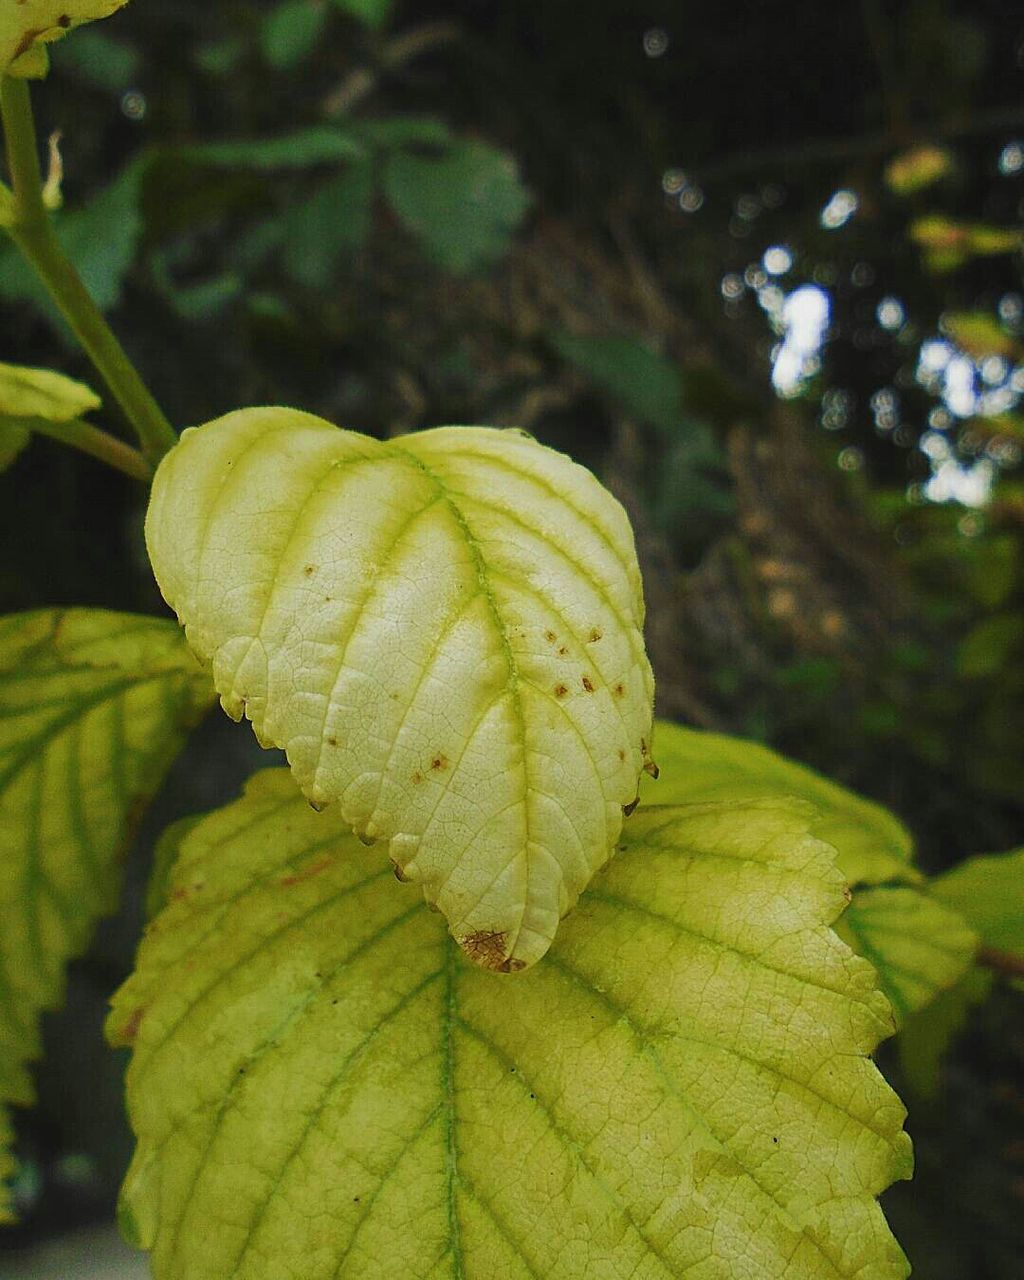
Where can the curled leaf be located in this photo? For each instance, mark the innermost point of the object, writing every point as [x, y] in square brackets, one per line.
[443, 631]
[681, 1088]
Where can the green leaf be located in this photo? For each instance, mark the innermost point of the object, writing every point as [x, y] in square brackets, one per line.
[647, 384]
[918, 946]
[926, 1034]
[681, 1088]
[443, 631]
[989, 892]
[988, 647]
[97, 59]
[333, 221]
[319, 144]
[36, 393]
[401, 131]
[25, 25]
[41, 393]
[101, 240]
[463, 205]
[873, 844]
[93, 707]
[373, 13]
[290, 31]
[14, 436]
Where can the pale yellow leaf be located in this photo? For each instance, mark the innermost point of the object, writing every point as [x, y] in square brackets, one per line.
[443, 631]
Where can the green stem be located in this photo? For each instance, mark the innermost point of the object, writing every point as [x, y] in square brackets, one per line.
[32, 231]
[98, 444]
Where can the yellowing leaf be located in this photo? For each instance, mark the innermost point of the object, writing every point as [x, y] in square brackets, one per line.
[918, 946]
[980, 334]
[680, 1088]
[41, 393]
[27, 24]
[92, 711]
[443, 632]
[918, 168]
[872, 844]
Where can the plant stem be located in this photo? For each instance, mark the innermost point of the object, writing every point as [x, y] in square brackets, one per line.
[98, 444]
[32, 231]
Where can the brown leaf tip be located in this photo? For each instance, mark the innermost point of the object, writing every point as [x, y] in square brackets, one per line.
[486, 948]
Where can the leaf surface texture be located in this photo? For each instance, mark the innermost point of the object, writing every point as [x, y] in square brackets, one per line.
[443, 631]
[322, 1086]
[93, 706]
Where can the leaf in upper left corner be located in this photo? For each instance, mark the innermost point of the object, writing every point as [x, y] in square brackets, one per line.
[27, 25]
[93, 709]
[36, 393]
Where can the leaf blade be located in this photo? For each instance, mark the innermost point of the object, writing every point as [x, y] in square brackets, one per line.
[562, 1122]
[406, 620]
[81, 692]
[873, 845]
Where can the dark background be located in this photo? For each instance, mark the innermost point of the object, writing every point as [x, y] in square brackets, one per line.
[627, 167]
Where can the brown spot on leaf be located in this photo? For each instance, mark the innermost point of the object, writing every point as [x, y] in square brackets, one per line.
[130, 1029]
[594, 636]
[332, 742]
[588, 684]
[487, 949]
[307, 872]
[563, 652]
[417, 778]
[309, 570]
[550, 637]
[622, 753]
[439, 763]
[560, 690]
[619, 690]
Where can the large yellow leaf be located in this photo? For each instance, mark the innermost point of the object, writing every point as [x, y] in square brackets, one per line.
[322, 1087]
[919, 947]
[442, 631]
[92, 711]
[873, 846]
[25, 25]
